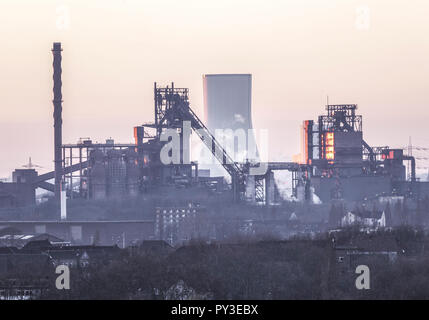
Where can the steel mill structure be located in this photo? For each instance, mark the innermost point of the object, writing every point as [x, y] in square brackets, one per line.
[342, 165]
[335, 163]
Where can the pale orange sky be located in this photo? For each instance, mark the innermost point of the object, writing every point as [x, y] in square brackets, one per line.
[298, 52]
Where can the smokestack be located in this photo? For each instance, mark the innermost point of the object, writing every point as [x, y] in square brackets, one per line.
[56, 51]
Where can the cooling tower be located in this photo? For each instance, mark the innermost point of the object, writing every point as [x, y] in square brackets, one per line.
[227, 105]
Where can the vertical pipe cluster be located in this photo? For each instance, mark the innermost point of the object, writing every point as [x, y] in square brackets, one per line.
[56, 51]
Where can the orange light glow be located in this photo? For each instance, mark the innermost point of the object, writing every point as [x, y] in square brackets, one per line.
[390, 155]
[329, 146]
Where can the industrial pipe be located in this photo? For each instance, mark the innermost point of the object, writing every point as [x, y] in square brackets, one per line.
[413, 166]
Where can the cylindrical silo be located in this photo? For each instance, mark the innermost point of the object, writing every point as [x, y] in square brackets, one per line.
[116, 178]
[228, 107]
[131, 157]
[97, 174]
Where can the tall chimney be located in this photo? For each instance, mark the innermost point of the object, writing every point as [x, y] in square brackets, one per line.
[56, 51]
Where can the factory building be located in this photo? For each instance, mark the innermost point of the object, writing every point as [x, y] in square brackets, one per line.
[111, 173]
[122, 233]
[109, 170]
[336, 162]
[178, 225]
[20, 192]
[342, 165]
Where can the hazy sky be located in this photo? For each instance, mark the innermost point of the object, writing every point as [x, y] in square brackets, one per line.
[373, 53]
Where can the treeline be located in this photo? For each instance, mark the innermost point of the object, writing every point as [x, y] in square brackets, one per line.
[264, 270]
[295, 269]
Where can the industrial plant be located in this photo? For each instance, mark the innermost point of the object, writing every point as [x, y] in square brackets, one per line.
[182, 200]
